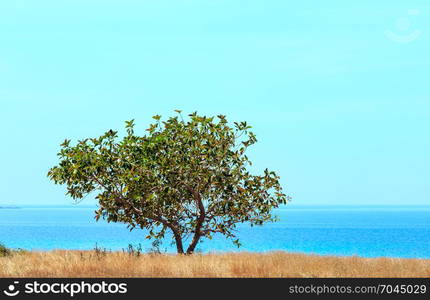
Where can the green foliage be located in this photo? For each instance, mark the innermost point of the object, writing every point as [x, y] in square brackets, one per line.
[4, 251]
[189, 177]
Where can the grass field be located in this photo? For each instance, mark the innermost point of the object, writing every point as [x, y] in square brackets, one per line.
[273, 264]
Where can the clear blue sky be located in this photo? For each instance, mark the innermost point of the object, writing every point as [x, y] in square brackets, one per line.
[337, 91]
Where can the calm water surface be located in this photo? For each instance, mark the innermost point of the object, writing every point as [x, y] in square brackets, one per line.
[363, 231]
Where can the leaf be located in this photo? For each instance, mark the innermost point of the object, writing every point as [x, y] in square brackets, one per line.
[65, 144]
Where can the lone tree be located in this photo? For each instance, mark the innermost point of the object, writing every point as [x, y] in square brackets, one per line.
[189, 177]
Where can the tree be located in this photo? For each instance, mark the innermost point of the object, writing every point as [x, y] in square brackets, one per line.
[189, 177]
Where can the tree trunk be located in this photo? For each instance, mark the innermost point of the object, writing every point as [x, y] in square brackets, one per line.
[200, 221]
[179, 246]
[178, 240]
[193, 244]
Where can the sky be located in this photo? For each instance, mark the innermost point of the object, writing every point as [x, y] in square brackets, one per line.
[337, 91]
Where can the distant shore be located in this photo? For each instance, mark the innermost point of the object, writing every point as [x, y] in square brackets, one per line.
[98, 263]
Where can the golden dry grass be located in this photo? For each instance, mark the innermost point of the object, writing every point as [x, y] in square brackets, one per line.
[71, 264]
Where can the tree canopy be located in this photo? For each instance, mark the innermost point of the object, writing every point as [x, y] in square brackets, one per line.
[189, 177]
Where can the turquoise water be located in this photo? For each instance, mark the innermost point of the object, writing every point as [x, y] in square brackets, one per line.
[363, 231]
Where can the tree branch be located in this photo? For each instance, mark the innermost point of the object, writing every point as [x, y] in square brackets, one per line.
[200, 221]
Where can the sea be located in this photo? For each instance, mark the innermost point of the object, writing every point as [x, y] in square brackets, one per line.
[365, 231]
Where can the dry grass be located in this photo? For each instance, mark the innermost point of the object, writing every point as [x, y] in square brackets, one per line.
[274, 264]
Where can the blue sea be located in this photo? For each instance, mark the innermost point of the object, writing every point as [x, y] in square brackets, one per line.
[362, 231]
